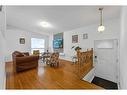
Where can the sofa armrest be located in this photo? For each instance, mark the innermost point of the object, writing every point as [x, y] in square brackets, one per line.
[27, 59]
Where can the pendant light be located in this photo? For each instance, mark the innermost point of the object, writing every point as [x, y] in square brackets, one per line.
[101, 27]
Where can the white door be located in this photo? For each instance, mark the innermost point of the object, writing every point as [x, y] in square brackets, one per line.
[106, 59]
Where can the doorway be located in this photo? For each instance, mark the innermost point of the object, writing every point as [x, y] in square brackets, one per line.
[106, 59]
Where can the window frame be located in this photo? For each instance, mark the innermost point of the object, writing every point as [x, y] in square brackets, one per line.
[38, 47]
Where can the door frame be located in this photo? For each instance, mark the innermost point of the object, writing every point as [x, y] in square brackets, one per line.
[118, 59]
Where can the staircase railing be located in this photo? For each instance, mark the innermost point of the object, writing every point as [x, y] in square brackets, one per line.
[84, 63]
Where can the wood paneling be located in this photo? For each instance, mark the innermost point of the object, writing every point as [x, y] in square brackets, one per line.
[45, 77]
[85, 62]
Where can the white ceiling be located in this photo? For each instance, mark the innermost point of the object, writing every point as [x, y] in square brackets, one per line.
[62, 18]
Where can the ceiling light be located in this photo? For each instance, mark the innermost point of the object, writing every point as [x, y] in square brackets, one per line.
[101, 27]
[45, 24]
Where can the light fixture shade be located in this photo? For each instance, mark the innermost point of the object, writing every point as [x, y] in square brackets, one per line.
[101, 28]
[45, 24]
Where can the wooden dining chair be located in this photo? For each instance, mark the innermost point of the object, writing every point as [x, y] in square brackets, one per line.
[36, 52]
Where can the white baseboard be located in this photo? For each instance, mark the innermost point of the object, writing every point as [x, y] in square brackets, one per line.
[89, 77]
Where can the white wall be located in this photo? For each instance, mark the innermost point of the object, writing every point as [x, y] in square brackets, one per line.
[123, 49]
[111, 32]
[2, 49]
[12, 38]
[2, 62]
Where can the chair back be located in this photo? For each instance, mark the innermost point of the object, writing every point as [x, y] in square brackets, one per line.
[36, 52]
[54, 57]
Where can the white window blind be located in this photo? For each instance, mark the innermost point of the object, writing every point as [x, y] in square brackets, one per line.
[37, 44]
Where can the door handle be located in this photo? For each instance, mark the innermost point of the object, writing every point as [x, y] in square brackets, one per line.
[95, 57]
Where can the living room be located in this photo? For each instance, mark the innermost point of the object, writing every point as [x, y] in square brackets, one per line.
[78, 28]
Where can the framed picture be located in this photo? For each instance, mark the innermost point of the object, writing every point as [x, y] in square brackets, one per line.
[85, 36]
[74, 38]
[22, 40]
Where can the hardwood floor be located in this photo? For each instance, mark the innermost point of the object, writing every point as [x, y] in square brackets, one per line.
[45, 77]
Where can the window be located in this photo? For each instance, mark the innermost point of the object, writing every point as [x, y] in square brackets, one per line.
[37, 44]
